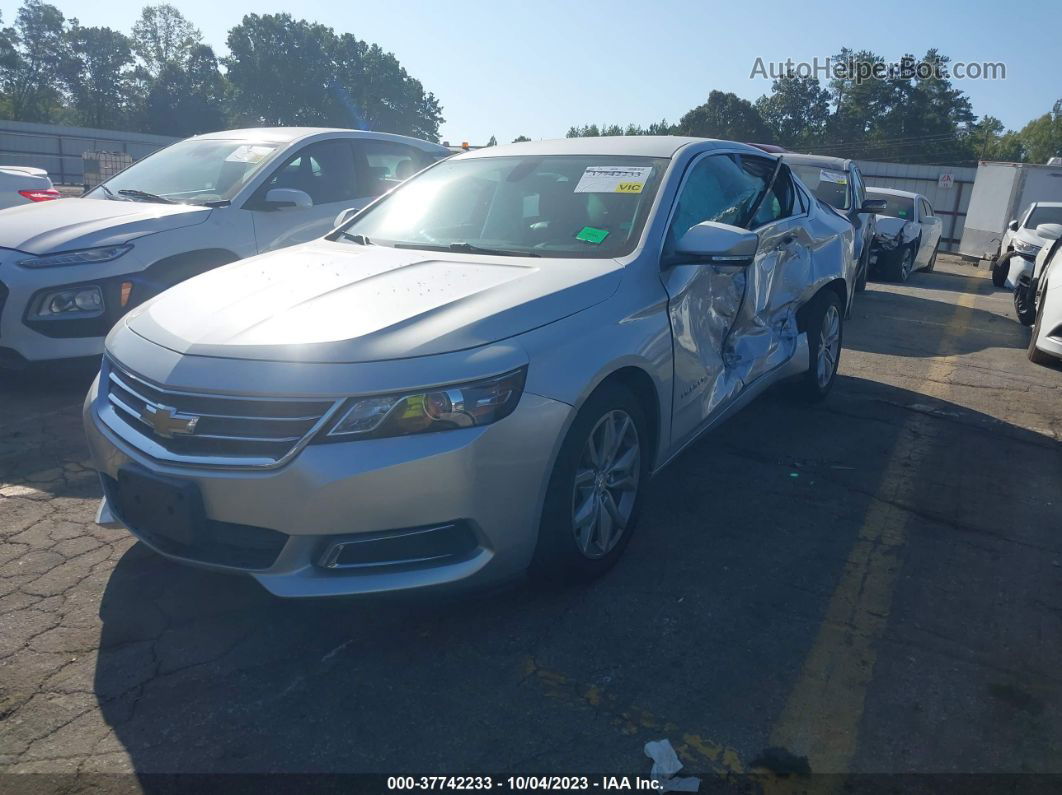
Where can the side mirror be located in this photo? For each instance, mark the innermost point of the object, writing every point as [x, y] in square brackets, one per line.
[1013, 226]
[873, 206]
[1049, 231]
[344, 216]
[718, 244]
[287, 197]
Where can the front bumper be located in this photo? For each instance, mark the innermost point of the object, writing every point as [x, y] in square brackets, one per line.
[490, 480]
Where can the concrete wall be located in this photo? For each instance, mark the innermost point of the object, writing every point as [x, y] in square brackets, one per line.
[58, 149]
[950, 204]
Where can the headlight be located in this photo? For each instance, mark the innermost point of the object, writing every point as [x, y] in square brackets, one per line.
[79, 302]
[1025, 248]
[85, 256]
[442, 409]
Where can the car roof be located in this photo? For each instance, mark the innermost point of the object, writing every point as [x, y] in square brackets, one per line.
[839, 163]
[285, 135]
[637, 145]
[1046, 204]
[894, 192]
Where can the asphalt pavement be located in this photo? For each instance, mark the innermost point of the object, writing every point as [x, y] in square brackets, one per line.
[868, 585]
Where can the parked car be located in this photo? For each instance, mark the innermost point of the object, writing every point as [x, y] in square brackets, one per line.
[72, 268]
[839, 183]
[25, 185]
[1021, 240]
[908, 234]
[475, 375]
[1038, 297]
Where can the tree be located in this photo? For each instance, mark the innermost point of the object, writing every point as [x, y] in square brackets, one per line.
[519, 139]
[186, 100]
[163, 37]
[1041, 139]
[796, 112]
[288, 71]
[30, 73]
[725, 115]
[97, 72]
[493, 141]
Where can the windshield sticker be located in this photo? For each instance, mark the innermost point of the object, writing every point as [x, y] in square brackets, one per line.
[835, 177]
[902, 213]
[589, 234]
[248, 153]
[614, 179]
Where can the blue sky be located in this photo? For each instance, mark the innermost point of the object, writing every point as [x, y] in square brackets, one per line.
[536, 68]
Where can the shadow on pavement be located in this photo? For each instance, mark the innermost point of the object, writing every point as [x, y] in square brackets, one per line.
[701, 630]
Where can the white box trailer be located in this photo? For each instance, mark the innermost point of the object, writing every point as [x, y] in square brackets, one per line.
[1001, 192]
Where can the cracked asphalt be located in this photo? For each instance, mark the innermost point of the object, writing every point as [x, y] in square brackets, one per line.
[869, 585]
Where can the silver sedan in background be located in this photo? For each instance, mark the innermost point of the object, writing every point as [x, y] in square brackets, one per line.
[474, 376]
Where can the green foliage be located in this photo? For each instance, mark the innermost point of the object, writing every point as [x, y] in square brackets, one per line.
[164, 79]
[725, 115]
[519, 139]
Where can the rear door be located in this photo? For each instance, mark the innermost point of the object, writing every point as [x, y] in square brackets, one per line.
[730, 324]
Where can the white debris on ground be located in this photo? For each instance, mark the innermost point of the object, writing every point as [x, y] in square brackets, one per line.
[666, 764]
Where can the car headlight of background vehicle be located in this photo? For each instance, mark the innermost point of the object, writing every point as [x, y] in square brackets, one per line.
[1025, 248]
[442, 409]
[79, 302]
[85, 256]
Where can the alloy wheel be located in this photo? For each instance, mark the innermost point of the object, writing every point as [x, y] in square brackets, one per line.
[606, 484]
[829, 345]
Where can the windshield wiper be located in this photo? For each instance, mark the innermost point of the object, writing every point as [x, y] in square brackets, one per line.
[468, 248]
[145, 196]
[361, 240]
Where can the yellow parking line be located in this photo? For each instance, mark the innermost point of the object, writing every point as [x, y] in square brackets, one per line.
[822, 714]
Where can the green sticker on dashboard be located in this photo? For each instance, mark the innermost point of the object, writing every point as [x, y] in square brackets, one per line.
[590, 234]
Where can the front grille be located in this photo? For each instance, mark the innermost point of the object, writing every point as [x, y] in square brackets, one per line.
[223, 543]
[213, 429]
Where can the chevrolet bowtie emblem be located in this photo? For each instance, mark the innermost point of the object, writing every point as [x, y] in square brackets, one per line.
[167, 422]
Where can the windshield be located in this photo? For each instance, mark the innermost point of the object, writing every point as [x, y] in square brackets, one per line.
[895, 206]
[561, 206]
[194, 171]
[1044, 215]
[828, 185]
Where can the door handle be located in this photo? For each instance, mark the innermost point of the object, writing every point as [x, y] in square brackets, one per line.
[788, 240]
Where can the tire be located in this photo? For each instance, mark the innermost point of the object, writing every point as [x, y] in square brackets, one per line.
[864, 270]
[820, 314]
[932, 260]
[566, 551]
[1037, 356]
[1025, 301]
[901, 264]
[1000, 269]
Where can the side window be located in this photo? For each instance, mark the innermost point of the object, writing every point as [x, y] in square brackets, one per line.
[385, 164]
[778, 203]
[324, 170]
[719, 188]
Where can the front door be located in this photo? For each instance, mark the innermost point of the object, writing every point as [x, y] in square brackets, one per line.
[726, 327]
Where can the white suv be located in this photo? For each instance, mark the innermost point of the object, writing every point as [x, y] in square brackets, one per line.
[70, 269]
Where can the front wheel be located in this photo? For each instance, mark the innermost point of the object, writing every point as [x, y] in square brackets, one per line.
[901, 264]
[593, 498]
[1000, 268]
[825, 329]
[1025, 301]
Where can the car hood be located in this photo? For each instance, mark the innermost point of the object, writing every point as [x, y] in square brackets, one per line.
[69, 224]
[342, 302]
[887, 226]
[1029, 236]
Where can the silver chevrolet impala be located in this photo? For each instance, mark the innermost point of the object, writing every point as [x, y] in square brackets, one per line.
[474, 376]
